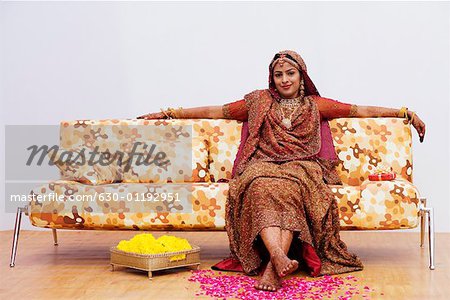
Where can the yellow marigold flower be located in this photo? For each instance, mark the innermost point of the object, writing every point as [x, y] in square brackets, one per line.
[145, 243]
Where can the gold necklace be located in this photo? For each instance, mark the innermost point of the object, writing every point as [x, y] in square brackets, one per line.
[287, 121]
[289, 103]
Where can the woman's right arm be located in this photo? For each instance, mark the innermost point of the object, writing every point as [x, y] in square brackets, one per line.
[234, 110]
[203, 112]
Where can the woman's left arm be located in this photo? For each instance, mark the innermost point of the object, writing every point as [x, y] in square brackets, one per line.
[377, 111]
[331, 109]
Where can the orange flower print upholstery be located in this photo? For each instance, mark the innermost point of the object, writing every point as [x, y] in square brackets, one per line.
[362, 145]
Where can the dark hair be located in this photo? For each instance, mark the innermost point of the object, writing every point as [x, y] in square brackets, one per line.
[285, 55]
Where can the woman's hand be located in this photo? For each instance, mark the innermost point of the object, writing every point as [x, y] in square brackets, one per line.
[150, 116]
[418, 124]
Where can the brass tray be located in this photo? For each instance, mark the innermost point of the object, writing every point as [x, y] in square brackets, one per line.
[154, 262]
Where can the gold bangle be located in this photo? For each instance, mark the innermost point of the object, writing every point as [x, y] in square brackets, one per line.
[171, 112]
[180, 112]
[166, 114]
[403, 113]
[175, 113]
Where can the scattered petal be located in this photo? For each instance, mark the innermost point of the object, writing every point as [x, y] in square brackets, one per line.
[221, 286]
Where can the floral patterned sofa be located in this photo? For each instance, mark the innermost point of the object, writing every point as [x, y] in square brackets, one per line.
[199, 178]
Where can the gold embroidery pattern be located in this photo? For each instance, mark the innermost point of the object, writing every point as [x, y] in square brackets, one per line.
[353, 110]
[292, 196]
[280, 183]
[226, 111]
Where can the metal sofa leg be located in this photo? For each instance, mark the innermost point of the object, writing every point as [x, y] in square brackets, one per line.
[431, 240]
[55, 237]
[423, 203]
[427, 213]
[20, 210]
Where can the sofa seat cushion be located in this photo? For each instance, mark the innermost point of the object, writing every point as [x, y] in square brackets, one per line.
[378, 205]
[135, 206]
[201, 206]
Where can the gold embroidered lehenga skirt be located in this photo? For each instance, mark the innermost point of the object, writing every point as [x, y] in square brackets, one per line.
[293, 196]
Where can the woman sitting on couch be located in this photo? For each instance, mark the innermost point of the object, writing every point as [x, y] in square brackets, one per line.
[279, 207]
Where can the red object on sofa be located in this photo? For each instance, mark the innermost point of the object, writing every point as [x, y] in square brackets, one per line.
[382, 176]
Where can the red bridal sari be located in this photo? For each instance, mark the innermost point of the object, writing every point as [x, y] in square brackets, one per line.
[280, 178]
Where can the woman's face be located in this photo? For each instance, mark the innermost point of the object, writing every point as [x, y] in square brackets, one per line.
[287, 80]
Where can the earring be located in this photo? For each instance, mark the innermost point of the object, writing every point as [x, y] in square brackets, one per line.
[302, 88]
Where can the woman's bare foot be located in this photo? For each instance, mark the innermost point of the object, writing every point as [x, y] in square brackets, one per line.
[270, 281]
[283, 265]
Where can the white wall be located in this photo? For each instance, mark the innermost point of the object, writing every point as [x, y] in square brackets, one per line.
[62, 60]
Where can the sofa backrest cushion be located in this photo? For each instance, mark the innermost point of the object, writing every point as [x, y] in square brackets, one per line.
[366, 144]
[183, 143]
[362, 146]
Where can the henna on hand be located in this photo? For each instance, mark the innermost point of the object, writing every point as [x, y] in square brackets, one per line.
[152, 116]
[418, 124]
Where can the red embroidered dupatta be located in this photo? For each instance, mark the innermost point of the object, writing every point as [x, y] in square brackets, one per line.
[252, 123]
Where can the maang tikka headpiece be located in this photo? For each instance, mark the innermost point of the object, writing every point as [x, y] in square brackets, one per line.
[281, 58]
